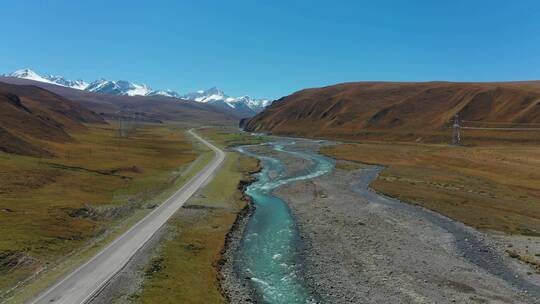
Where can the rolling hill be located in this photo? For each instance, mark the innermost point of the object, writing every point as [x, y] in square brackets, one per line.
[30, 113]
[398, 111]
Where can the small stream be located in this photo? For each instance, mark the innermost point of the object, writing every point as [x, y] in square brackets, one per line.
[268, 253]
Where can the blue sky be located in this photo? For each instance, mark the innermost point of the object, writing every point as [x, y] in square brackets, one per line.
[272, 48]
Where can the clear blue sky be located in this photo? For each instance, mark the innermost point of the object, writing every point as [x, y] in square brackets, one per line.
[272, 48]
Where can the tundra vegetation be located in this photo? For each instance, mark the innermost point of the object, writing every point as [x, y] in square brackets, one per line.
[55, 212]
[493, 187]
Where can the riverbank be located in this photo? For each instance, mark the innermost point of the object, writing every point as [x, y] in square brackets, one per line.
[360, 247]
[234, 288]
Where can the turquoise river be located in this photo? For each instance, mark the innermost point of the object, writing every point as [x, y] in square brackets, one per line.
[268, 253]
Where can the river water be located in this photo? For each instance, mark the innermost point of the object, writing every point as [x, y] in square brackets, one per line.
[268, 253]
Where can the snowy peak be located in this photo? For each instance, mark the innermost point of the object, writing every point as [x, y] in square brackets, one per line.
[254, 103]
[75, 84]
[167, 93]
[212, 94]
[52, 79]
[28, 74]
[97, 85]
[214, 91]
[120, 87]
[216, 96]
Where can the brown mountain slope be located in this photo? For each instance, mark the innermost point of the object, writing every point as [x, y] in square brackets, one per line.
[29, 113]
[149, 108]
[397, 111]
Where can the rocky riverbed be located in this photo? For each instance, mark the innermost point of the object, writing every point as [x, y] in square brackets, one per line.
[235, 288]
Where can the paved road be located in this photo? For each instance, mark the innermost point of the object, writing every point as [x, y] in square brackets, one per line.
[85, 282]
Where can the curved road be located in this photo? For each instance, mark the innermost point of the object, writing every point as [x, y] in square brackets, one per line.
[85, 282]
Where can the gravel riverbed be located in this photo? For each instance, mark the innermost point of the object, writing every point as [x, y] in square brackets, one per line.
[234, 287]
[362, 247]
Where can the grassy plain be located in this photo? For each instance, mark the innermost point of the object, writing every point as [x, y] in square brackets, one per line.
[185, 269]
[228, 138]
[494, 187]
[56, 212]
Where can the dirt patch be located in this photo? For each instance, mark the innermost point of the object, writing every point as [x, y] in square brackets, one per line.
[102, 172]
[10, 259]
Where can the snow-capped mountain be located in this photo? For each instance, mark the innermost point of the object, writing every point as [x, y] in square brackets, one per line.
[245, 105]
[120, 87]
[75, 84]
[52, 79]
[168, 93]
[255, 104]
[216, 96]
[209, 95]
[28, 74]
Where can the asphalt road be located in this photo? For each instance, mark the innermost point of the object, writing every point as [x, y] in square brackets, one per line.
[85, 282]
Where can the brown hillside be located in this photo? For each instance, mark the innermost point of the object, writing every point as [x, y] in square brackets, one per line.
[29, 113]
[397, 111]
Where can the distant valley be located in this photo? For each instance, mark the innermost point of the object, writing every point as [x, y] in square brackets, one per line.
[36, 116]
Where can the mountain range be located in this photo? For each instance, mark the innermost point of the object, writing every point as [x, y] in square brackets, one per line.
[35, 114]
[217, 97]
[244, 105]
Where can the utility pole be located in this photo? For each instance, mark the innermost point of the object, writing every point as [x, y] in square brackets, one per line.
[456, 135]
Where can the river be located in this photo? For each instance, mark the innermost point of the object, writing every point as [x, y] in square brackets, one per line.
[268, 252]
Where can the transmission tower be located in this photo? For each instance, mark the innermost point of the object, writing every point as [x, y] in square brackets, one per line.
[456, 135]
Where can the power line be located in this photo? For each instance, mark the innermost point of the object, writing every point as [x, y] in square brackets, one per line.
[457, 127]
[501, 129]
[500, 123]
[456, 133]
